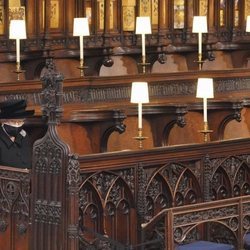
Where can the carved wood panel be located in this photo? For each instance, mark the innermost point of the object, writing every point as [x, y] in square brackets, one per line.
[141, 192]
[229, 177]
[126, 197]
[14, 210]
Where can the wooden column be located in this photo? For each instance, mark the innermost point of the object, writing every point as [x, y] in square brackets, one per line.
[69, 16]
[47, 13]
[162, 21]
[31, 16]
[73, 183]
[211, 20]
[50, 172]
[107, 12]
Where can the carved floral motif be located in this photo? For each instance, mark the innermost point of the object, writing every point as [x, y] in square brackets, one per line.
[48, 212]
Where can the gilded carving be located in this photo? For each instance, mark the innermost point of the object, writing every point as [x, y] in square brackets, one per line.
[222, 12]
[88, 12]
[145, 8]
[100, 14]
[155, 14]
[111, 14]
[14, 3]
[128, 18]
[247, 8]
[1, 18]
[179, 14]
[236, 13]
[203, 7]
[54, 14]
[16, 13]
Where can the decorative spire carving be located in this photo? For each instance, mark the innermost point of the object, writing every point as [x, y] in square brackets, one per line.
[52, 93]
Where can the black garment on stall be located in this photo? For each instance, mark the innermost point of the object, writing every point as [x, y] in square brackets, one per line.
[15, 154]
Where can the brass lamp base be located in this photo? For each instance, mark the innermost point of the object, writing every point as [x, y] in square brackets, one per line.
[205, 131]
[140, 138]
[144, 65]
[18, 71]
[82, 67]
[200, 61]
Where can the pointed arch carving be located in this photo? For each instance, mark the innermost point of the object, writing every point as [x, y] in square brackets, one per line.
[220, 184]
[227, 230]
[112, 194]
[241, 183]
[120, 210]
[233, 172]
[188, 189]
[172, 185]
[158, 194]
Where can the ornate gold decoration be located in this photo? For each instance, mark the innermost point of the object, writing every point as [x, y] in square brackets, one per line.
[203, 8]
[17, 13]
[247, 8]
[145, 8]
[128, 18]
[179, 14]
[222, 12]
[89, 14]
[1, 19]
[54, 16]
[100, 12]
[155, 13]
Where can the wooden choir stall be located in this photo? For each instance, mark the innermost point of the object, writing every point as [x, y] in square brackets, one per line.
[163, 197]
[111, 173]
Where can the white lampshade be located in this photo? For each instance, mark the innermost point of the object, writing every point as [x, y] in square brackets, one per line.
[205, 88]
[81, 26]
[143, 25]
[248, 24]
[17, 29]
[199, 24]
[139, 92]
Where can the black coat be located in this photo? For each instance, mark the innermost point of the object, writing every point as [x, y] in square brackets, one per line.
[15, 154]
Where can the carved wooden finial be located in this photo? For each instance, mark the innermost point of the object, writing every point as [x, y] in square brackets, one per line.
[52, 92]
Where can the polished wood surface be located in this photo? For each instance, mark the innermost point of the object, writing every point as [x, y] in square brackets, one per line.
[79, 200]
[90, 185]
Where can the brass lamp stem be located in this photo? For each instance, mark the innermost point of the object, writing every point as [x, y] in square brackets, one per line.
[144, 64]
[205, 131]
[82, 67]
[200, 62]
[18, 70]
[140, 138]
